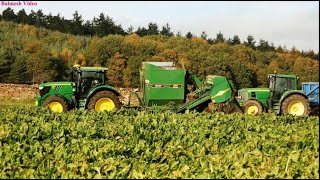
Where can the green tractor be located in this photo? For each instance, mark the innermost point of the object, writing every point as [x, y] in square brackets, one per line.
[282, 97]
[86, 90]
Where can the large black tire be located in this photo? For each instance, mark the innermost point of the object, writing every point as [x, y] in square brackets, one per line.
[56, 104]
[296, 105]
[252, 107]
[104, 100]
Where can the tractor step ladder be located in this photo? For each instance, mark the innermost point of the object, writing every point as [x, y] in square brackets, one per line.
[82, 103]
[276, 107]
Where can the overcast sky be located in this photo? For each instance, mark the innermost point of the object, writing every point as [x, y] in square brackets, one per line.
[282, 23]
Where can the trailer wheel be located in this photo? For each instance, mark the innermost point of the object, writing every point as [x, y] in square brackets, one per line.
[104, 100]
[295, 105]
[252, 107]
[56, 104]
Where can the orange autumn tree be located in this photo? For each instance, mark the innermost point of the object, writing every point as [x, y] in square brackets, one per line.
[116, 67]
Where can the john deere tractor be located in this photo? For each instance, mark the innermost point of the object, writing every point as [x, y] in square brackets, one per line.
[281, 97]
[86, 90]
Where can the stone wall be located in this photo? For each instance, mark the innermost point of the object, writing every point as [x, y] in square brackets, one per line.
[18, 91]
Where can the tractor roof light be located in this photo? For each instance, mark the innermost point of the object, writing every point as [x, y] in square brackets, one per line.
[76, 65]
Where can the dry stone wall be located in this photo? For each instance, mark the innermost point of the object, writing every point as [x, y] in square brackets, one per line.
[18, 91]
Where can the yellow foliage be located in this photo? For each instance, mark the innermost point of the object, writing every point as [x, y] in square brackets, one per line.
[24, 28]
[74, 43]
[273, 66]
[32, 47]
[132, 38]
[66, 55]
[115, 71]
[157, 58]
[199, 40]
[240, 51]
[184, 62]
[220, 45]
[170, 54]
[81, 59]
[97, 65]
[55, 53]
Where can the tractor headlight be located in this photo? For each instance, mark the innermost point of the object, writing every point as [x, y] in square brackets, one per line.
[40, 88]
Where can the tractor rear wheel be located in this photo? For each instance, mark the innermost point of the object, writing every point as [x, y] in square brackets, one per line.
[56, 104]
[295, 105]
[104, 100]
[252, 107]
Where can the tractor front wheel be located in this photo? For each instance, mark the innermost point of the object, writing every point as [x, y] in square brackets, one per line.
[56, 104]
[295, 105]
[104, 100]
[252, 107]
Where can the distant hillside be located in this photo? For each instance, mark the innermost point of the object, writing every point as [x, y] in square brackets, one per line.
[31, 55]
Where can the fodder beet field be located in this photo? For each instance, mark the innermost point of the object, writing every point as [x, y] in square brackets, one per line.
[132, 144]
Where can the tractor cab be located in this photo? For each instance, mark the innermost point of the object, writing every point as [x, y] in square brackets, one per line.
[279, 84]
[86, 78]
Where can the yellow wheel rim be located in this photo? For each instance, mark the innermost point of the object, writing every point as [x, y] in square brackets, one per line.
[104, 104]
[296, 108]
[252, 110]
[56, 107]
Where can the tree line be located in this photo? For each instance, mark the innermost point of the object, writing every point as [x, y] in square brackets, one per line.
[30, 54]
[104, 25]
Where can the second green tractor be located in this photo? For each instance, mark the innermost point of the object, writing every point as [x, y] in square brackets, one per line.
[281, 97]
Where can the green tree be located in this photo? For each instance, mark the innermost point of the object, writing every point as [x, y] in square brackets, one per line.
[129, 30]
[204, 35]
[19, 72]
[264, 46]
[219, 38]
[153, 29]
[250, 42]
[32, 18]
[9, 15]
[7, 57]
[104, 25]
[141, 31]
[166, 30]
[76, 24]
[40, 19]
[22, 17]
[189, 35]
[235, 40]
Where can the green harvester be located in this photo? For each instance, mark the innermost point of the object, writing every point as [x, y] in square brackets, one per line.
[164, 86]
